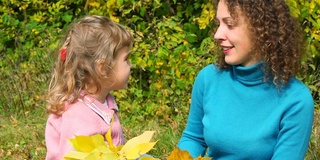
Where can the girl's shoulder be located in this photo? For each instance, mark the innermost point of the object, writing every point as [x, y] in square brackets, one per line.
[75, 110]
[71, 110]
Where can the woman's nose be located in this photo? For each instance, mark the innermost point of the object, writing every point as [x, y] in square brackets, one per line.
[219, 34]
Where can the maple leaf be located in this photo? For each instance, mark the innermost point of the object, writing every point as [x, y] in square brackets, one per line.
[202, 158]
[137, 146]
[178, 154]
[86, 143]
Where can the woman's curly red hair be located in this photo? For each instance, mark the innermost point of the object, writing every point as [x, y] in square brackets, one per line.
[276, 36]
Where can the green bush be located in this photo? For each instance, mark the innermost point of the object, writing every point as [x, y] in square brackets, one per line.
[172, 42]
[169, 49]
[308, 14]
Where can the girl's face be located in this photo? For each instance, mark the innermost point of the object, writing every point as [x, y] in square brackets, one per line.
[234, 38]
[121, 70]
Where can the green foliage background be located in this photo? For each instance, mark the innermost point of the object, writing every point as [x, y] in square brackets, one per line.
[172, 42]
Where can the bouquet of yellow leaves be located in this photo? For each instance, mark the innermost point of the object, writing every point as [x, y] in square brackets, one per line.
[94, 147]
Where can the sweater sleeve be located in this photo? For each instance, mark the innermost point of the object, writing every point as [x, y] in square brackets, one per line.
[58, 131]
[52, 139]
[192, 138]
[295, 127]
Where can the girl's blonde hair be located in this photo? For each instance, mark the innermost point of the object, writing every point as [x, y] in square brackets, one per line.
[91, 39]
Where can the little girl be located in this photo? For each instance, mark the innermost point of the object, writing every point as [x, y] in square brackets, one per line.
[92, 61]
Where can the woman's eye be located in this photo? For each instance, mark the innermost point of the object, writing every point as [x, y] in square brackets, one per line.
[216, 22]
[230, 26]
[230, 23]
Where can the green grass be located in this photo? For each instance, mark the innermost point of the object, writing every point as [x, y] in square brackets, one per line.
[167, 134]
[22, 137]
[314, 145]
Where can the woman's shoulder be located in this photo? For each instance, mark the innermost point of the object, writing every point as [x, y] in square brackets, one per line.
[296, 88]
[211, 70]
[211, 74]
[296, 85]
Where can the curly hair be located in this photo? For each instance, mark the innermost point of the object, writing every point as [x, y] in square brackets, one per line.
[276, 37]
[87, 41]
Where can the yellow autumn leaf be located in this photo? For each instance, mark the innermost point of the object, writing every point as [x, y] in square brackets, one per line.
[87, 143]
[148, 158]
[111, 3]
[107, 153]
[202, 158]
[101, 152]
[83, 143]
[177, 28]
[109, 157]
[137, 146]
[72, 155]
[109, 137]
[74, 143]
[178, 154]
[178, 74]
[94, 155]
[98, 140]
[116, 19]
[138, 150]
[94, 4]
[144, 137]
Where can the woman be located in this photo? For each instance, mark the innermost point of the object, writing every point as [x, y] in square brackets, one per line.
[250, 105]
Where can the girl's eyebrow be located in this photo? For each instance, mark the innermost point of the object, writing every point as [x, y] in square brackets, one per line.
[127, 55]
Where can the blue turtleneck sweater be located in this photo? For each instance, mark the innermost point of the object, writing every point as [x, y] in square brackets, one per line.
[235, 115]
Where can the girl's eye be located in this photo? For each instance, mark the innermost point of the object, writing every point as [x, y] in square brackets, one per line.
[127, 58]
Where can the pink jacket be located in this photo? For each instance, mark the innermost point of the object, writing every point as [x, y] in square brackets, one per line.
[79, 119]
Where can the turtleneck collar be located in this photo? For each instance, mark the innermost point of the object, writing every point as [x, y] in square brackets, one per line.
[251, 75]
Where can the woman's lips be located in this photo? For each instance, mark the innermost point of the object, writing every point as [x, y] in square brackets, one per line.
[226, 49]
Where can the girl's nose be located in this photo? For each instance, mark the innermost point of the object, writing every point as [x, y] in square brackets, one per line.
[130, 64]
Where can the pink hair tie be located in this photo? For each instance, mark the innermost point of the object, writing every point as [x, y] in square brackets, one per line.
[63, 54]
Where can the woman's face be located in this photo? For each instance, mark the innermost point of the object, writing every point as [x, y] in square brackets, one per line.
[234, 38]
